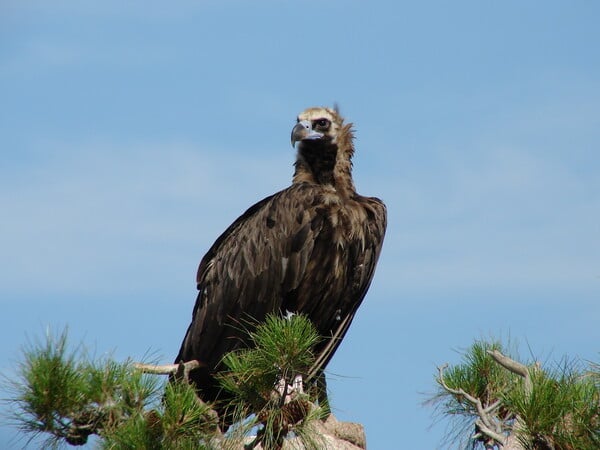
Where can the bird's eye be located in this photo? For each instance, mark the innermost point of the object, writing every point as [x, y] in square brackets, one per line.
[322, 123]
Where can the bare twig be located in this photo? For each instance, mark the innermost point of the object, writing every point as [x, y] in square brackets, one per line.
[165, 369]
[485, 423]
[485, 430]
[515, 367]
[509, 364]
[180, 371]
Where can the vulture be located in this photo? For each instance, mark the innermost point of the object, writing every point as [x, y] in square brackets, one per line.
[309, 249]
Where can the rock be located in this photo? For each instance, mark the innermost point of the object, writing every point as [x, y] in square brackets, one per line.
[329, 435]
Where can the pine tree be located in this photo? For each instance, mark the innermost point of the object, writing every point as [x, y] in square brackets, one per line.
[66, 397]
[495, 401]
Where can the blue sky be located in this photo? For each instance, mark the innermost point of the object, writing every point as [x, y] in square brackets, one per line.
[132, 135]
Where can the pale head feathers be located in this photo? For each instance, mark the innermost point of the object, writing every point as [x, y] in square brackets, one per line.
[341, 133]
[339, 137]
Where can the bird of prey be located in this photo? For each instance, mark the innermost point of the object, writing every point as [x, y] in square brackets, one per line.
[309, 249]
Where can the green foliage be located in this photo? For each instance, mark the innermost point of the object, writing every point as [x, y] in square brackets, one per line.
[50, 387]
[181, 422]
[61, 393]
[182, 411]
[64, 395]
[549, 408]
[282, 349]
[561, 408]
[478, 375]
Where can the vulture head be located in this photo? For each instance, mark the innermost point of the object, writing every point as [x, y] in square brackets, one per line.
[325, 148]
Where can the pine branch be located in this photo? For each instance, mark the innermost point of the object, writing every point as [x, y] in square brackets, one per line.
[181, 371]
[267, 381]
[513, 366]
[539, 408]
[486, 424]
[67, 397]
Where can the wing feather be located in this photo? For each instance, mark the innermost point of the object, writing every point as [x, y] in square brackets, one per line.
[243, 275]
[281, 254]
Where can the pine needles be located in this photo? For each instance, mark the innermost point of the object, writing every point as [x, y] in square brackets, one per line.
[180, 422]
[561, 410]
[264, 381]
[498, 401]
[65, 396]
[61, 393]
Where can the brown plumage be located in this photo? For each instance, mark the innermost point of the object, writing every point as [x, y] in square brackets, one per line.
[311, 249]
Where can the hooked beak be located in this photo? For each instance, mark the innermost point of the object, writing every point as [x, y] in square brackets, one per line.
[303, 131]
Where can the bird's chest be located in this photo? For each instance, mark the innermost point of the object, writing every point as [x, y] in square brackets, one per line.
[340, 245]
[348, 224]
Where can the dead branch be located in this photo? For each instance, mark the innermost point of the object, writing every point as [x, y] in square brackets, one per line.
[486, 423]
[180, 371]
[515, 367]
